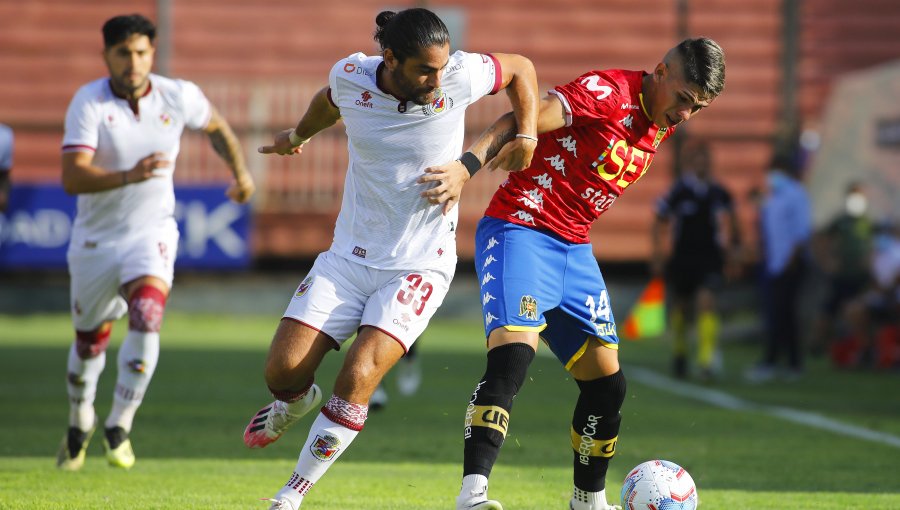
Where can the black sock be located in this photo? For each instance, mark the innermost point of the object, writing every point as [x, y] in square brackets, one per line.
[595, 429]
[487, 415]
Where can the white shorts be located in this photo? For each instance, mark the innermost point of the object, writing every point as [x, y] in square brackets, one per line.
[98, 271]
[339, 296]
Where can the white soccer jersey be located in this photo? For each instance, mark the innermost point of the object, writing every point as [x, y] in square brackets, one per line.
[103, 123]
[384, 223]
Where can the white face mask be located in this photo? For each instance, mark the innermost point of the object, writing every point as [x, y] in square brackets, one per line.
[856, 204]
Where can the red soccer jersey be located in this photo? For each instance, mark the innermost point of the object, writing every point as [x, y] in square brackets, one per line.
[579, 170]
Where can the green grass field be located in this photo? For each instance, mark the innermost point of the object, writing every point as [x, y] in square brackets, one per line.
[187, 435]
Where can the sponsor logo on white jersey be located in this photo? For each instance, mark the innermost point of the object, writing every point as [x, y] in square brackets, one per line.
[359, 252]
[365, 100]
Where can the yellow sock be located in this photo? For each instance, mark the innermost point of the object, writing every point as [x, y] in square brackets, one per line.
[708, 336]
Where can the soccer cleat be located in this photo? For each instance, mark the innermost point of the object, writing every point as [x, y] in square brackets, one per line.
[73, 449]
[271, 421]
[409, 376]
[280, 504]
[488, 504]
[379, 399]
[118, 448]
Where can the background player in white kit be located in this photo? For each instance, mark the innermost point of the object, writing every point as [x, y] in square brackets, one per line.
[122, 137]
[394, 249]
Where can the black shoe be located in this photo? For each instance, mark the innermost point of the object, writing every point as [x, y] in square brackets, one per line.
[679, 367]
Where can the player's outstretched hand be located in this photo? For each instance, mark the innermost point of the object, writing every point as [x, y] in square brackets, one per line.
[241, 189]
[514, 156]
[146, 168]
[282, 145]
[450, 178]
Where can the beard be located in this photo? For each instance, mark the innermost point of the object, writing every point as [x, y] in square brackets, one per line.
[128, 86]
[420, 95]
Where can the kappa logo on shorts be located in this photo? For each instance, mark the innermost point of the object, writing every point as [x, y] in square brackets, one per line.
[325, 447]
[304, 286]
[528, 308]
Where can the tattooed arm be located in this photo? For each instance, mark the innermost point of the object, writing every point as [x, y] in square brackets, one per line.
[227, 146]
[496, 145]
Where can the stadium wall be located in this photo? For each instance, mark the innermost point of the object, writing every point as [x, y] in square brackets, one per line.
[260, 70]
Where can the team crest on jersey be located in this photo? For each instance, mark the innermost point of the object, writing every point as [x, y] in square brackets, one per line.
[659, 136]
[166, 119]
[304, 286]
[324, 447]
[528, 308]
[441, 102]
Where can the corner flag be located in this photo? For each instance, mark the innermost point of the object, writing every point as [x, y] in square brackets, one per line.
[648, 315]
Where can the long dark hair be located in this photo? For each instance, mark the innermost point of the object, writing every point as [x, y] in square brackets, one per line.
[407, 32]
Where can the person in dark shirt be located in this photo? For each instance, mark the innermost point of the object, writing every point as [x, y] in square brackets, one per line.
[700, 210]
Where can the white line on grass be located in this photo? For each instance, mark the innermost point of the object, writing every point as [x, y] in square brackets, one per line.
[726, 401]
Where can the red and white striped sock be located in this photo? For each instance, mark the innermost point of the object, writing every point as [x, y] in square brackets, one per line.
[332, 432]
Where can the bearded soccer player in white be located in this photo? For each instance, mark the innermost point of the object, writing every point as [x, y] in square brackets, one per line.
[122, 137]
[394, 249]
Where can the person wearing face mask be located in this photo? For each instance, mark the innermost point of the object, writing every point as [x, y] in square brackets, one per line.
[845, 255]
[785, 229]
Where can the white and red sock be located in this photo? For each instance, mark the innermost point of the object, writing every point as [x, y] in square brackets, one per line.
[330, 435]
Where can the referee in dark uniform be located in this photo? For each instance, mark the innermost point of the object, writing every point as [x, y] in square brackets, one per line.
[703, 222]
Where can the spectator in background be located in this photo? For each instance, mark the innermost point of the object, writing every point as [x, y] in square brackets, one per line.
[786, 227]
[701, 211]
[6, 164]
[883, 300]
[122, 135]
[844, 252]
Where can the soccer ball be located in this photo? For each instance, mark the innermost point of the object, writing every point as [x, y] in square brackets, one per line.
[659, 485]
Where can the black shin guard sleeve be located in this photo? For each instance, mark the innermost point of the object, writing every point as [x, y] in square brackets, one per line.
[595, 429]
[487, 415]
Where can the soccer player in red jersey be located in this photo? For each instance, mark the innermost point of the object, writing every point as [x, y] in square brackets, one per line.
[597, 136]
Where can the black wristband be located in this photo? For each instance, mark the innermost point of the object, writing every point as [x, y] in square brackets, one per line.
[471, 162]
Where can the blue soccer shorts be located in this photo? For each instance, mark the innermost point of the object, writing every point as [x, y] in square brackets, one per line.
[533, 280]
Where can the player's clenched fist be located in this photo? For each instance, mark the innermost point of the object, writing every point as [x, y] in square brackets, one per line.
[241, 189]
